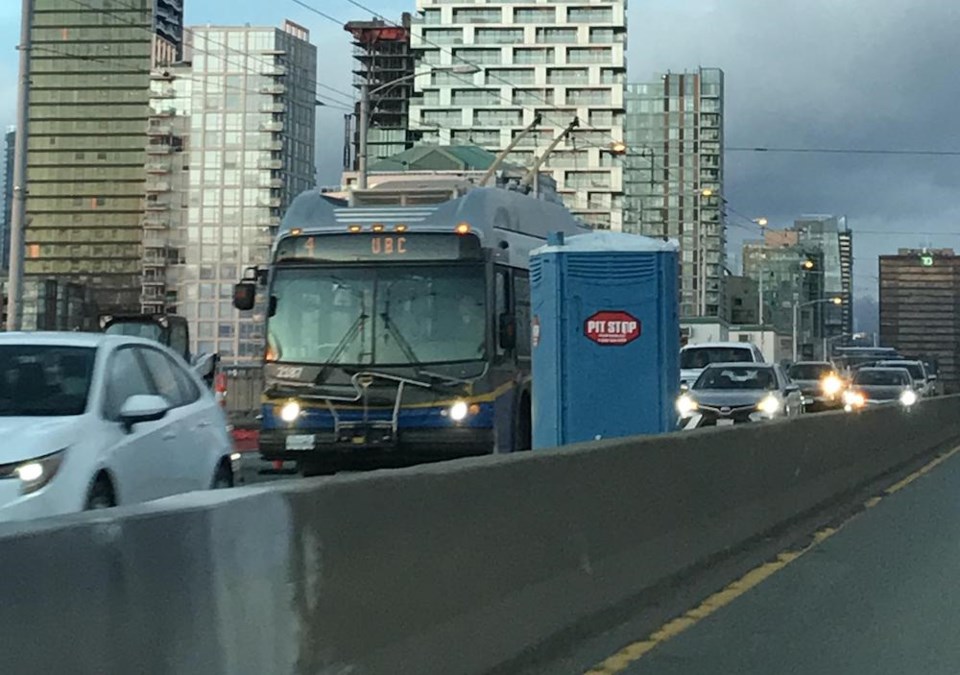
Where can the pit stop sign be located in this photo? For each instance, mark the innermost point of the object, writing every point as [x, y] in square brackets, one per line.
[612, 328]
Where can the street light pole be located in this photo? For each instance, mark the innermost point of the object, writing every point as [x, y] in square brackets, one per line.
[796, 311]
[18, 214]
[362, 125]
[797, 306]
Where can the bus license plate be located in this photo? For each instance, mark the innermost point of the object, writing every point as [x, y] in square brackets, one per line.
[301, 442]
[724, 423]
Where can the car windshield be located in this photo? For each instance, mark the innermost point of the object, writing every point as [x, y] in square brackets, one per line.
[141, 329]
[396, 315]
[915, 369]
[810, 371]
[44, 381]
[701, 357]
[882, 378]
[737, 378]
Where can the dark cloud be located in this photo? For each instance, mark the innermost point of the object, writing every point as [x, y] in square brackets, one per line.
[826, 74]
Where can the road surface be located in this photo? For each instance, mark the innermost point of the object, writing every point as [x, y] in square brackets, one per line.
[878, 594]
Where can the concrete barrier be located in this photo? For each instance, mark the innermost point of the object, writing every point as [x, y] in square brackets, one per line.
[453, 568]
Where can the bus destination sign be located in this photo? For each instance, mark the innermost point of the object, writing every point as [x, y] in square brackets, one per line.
[363, 247]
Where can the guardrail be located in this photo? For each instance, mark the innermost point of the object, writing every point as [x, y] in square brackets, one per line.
[449, 568]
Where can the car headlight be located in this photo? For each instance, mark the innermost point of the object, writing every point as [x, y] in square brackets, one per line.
[459, 411]
[831, 385]
[36, 473]
[290, 411]
[686, 406]
[854, 399]
[908, 398]
[770, 405]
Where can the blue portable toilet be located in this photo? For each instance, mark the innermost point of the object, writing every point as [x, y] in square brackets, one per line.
[606, 337]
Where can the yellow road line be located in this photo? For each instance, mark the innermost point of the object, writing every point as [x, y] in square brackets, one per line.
[896, 487]
[623, 659]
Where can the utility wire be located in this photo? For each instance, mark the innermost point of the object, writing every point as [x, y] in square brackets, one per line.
[141, 71]
[584, 124]
[848, 151]
[311, 80]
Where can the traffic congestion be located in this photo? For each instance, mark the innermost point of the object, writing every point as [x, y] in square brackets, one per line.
[724, 384]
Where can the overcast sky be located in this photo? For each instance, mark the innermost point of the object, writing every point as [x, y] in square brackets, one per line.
[836, 74]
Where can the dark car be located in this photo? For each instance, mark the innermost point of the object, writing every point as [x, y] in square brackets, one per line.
[820, 383]
[736, 393]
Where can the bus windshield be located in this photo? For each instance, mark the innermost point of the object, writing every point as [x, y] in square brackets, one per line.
[385, 315]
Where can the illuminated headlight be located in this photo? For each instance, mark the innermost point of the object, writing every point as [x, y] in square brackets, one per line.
[36, 473]
[459, 411]
[831, 385]
[770, 405]
[686, 406]
[853, 399]
[908, 398]
[290, 411]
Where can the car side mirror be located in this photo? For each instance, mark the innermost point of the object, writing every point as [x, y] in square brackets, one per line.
[792, 388]
[143, 408]
[205, 365]
[507, 327]
[684, 387]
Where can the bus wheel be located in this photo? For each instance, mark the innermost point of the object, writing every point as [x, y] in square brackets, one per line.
[523, 434]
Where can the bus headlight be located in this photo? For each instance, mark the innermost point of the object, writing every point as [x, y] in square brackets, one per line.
[686, 406]
[770, 405]
[459, 411]
[908, 398]
[290, 411]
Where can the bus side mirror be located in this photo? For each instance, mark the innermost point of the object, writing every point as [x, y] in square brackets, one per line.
[507, 332]
[245, 295]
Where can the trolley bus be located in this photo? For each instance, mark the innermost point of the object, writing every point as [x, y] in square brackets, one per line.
[398, 326]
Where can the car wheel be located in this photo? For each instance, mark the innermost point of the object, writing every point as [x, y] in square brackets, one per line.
[222, 478]
[101, 495]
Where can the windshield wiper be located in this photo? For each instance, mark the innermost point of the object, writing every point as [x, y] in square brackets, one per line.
[341, 346]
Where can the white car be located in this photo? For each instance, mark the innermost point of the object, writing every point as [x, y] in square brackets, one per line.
[92, 421]
[695, 358]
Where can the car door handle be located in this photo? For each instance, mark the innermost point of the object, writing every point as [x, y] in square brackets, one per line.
[169, 435]
[203, 425]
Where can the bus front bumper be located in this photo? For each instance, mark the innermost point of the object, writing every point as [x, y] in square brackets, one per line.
[374, 447]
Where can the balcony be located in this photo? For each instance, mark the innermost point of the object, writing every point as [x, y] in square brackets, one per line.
[272, 203]
[272, 108]
[273, 89]
[158, 168]
[159, 149]
[157, 186]
[158, 205]
[273, 71]
[160, 130]
[273, 164]
[276, 183]
[156, 221]
[273, 146]
[274, 126]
